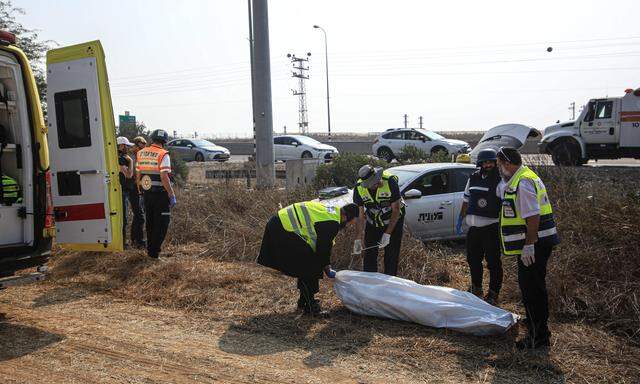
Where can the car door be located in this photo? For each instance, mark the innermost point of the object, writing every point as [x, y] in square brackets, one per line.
[395, 141]
[600, 124]
[86, 193]
[418, 140]
[429, 216]
[459, 178]
[278, 150]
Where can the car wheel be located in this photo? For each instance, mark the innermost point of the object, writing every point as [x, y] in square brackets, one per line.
[385, 153]
[566, 154]
[307, 155]
[439, 150]
[199, 157]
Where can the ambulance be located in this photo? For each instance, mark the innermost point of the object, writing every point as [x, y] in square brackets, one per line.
[66, 169]
[607, 128]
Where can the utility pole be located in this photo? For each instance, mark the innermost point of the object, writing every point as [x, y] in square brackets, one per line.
[261, 84]
[302, 66]
[405, 120]
[285, 129]
[420, 120]
[572, 108]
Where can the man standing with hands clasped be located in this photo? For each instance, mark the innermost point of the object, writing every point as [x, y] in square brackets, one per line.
[528, 231]
[377, 195]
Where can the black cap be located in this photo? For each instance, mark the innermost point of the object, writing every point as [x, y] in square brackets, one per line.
[351, 211]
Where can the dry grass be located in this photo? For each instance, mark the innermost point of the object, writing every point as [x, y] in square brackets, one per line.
[209, 271]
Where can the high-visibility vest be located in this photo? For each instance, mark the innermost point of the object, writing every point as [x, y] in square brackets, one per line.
[148, 164]
[300, 218]
[10, 191]
[378, 209]
[513, 227]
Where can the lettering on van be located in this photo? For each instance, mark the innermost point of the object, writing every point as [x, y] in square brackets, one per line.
[430, 217]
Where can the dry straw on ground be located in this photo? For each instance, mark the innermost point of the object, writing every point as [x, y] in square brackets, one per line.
[215, 236]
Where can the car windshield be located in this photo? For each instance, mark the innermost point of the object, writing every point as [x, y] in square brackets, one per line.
[307, 140]
[202, 143]
[432, 135]
[403, 176]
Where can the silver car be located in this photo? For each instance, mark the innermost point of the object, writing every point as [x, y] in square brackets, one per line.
[198, 150]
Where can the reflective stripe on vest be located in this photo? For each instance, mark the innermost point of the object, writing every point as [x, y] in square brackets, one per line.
[10, 191]
[301, 218]
[378, 210]
[513, 227]
[148, 162]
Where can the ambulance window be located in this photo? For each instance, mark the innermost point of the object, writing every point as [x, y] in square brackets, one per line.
[72, 118]
[603, 111]
[460, 177]
[434, 183]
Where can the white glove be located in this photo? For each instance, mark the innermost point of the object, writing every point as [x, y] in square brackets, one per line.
[386, 239]
[357, 247]
[528, 255]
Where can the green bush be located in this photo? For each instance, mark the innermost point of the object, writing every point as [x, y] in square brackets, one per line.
[411, 154]
[179, 168]
[343, 171]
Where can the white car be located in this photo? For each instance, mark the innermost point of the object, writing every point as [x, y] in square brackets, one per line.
[505, 135]
[291, 147]
[433, 196]
[390, 143]
[198, 150]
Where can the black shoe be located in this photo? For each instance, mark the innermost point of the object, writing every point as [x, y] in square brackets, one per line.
[492, 298]
[531, 343]
[313, 308]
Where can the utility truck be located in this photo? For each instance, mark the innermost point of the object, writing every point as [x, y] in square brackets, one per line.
[66, 170]
[607, 128]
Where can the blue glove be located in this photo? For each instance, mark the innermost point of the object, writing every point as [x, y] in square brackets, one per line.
[172, 201]
[459, 225]
[330, 273]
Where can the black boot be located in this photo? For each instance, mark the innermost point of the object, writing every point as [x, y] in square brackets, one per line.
[533, 343]
[311, 307]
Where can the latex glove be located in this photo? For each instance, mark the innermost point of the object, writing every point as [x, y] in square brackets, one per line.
[386, 239]
[357, 247]
[172, 201]
[528, 255]
[330, 272]
[459, 225]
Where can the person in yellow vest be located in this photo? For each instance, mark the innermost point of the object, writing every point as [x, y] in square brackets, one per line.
[298, 241]
[154, 166]
[380, 205]
[528, 232]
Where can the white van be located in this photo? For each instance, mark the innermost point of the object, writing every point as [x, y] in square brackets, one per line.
[67, 170]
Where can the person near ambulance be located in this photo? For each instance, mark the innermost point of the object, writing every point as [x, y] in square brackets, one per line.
[125, 176]
[528, 231]
[481, 212]
[135, 199]
[298, 241]
[377, 195]
[154, 166]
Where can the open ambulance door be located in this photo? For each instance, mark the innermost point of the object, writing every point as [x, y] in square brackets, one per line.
[86, 192]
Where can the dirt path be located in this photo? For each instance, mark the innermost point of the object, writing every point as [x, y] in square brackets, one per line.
[60, 335]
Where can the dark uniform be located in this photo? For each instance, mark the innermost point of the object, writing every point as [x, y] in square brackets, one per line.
[156, 199]
[377, 204]
[298, 241]
[483, 238]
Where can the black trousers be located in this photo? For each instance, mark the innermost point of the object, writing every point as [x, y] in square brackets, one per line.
[308, 287]
[137, 223]
[372, 236]
[158, 216]
[483, 243]
[533, 287]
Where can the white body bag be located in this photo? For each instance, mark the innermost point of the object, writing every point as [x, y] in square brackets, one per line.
[376, 294]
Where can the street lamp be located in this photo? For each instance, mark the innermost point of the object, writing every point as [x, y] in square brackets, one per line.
[326, 62]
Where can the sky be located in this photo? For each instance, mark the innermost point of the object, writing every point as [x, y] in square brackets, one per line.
[461, 65]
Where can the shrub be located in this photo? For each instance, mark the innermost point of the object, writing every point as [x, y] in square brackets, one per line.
[411, 154]
[343, 171]
[179, 168]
